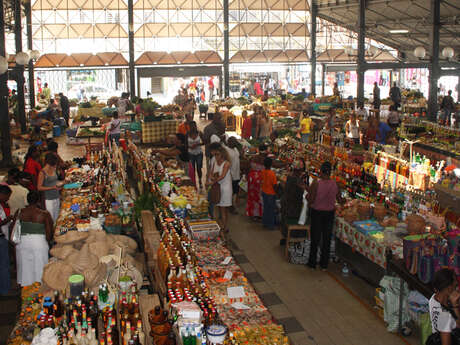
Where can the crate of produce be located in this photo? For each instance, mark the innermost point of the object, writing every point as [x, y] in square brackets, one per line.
[202, 230]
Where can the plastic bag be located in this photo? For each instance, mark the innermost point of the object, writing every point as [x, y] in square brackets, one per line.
[16, 232]
[303, 213]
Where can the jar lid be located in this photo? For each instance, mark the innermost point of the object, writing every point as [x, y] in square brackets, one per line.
[76, 278]
[216, 330]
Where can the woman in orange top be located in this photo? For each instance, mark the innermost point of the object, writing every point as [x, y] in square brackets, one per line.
[268, 195]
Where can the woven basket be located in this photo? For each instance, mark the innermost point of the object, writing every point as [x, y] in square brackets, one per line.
[56, 275]
[71, 237]
[380, 212]
[62, 252]
[96, 236]
[415, 224]
[364, 210]
[389, 221]
[82, 260]
[350, 215]
[128, 244]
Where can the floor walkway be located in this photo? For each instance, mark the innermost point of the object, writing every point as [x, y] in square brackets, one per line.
[314, 306]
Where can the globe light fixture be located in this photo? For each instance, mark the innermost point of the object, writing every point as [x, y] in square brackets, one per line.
[419, 52]
[3, 64]
[22, 58]
[448, 52]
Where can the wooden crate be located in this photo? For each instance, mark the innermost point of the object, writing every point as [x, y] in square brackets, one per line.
[147, 303]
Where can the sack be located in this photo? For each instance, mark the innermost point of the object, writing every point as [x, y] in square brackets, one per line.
[214, 194]
[16, 232]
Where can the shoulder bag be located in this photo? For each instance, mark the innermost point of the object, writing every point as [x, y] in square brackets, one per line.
[214, 192]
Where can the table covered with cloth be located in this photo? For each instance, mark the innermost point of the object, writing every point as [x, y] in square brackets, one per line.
[158, 131]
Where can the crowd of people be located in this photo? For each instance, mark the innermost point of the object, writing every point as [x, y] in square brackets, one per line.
[31, 196]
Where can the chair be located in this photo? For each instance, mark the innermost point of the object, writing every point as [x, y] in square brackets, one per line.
[293, 229]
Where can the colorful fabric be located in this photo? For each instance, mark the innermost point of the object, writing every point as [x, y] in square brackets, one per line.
[246, 131]
[254, 202]
[268, 182]
[153, 132]
[365, 245]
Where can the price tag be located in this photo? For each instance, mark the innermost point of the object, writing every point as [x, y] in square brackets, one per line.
[228, 275]
[227, 260]
[236, 292]
[239, 305]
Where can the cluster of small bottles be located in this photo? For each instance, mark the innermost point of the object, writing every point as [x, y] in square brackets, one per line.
[161, 327]
[183, 277]
[75, 319]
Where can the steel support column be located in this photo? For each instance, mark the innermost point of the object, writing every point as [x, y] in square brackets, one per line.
[458, 89]
[132, 78]
[323, 78]
[28, 10]
[226, 51]
[434, 66]
[313, 13]
[361, 56]
[4, 116]
[19, 68]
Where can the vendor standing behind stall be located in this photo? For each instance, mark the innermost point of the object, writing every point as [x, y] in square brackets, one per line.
[178, 151]
[322, 196]
[445, 306]
[305, 127]
[265, 126]
[115, 128]
[352, 128]
[36, 237]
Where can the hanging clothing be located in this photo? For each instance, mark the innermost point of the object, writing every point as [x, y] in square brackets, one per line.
[226, 191]
[31, 253]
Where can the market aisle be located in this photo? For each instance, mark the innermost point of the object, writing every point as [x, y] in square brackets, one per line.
[311, 305]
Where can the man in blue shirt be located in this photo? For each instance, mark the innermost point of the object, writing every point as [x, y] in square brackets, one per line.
[382, 133]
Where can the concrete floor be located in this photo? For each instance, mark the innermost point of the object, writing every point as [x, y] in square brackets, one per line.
[322, 308]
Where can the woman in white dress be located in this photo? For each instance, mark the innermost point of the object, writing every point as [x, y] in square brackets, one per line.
[221, 173]
[36, 235]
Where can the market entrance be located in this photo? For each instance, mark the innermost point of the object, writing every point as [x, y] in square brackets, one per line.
[163, 83]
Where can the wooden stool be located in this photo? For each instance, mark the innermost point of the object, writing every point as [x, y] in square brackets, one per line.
[293, 229]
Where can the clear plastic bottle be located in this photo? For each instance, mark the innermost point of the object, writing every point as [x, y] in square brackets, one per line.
[345, 270]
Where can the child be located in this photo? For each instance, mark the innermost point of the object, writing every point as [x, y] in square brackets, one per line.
[268, 194]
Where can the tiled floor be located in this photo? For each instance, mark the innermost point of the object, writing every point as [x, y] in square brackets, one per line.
[313, 306]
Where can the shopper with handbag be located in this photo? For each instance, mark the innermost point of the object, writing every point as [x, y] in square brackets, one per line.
[444, 309]
[47, 183]
[220, 174]
[322, 196]
[36, 237]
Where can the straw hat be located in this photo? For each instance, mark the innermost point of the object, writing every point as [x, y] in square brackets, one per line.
[56, 274]
[61, 252]
[99, 248]
[71, 237]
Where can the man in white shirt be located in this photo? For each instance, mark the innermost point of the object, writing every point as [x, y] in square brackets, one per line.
[18, 198]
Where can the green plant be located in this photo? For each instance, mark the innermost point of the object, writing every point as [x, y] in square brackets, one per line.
[145, 201]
